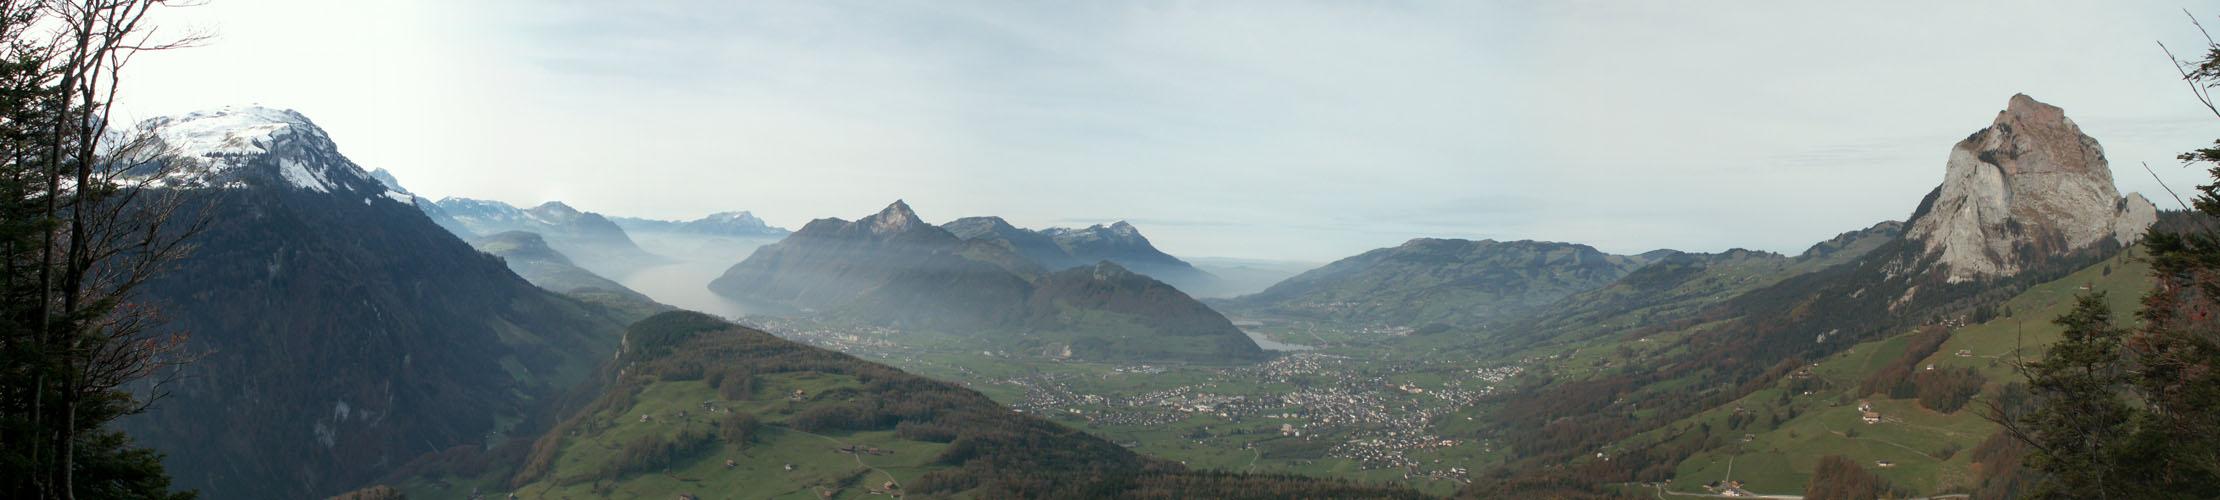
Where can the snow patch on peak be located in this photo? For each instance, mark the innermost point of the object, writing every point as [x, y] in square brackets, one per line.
[741, 216]
[228, 131]
[242, 146]
[300, 176]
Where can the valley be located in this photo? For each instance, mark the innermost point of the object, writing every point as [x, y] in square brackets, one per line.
[697, 260]
[1368, 413]
[699, 250]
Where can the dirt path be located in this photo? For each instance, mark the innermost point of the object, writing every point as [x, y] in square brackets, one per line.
[1661, 494]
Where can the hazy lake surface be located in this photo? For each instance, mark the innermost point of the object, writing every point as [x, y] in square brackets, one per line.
[1273, 345]
[685, 284]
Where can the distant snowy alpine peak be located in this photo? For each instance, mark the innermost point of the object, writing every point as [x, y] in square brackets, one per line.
[1124, 230]
[1119, 231]
[741, 217]
[225, 147]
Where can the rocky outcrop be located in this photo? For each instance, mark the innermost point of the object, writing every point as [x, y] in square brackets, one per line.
[2028, 187]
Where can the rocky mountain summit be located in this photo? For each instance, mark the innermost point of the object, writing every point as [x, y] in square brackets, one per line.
[2029, 186]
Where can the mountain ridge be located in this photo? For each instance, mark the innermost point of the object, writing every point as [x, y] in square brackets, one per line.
[1435, 280]
[1059, 248]
[891, 268]
[343, 330]
[590, 239]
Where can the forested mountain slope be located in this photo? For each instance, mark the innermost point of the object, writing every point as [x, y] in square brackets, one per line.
[341, 332]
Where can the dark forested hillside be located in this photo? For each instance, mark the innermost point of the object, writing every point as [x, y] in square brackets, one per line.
[341, 332]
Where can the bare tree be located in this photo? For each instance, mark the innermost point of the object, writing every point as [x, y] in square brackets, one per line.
[82, 231]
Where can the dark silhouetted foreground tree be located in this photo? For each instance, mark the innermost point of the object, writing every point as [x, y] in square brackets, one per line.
[78, 233]
[2130, 412]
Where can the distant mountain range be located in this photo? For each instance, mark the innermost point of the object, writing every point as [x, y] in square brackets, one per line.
[1060, 248]
[740, 224]
[1679, 286]
[531, 258]
[343, 332]
[349, 338]
[1442, 281]
[892, 268]
[592, 240]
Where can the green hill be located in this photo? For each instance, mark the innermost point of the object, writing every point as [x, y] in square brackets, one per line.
[1652, 404]
[1928, 448]
[1430, 280]
[694, 405]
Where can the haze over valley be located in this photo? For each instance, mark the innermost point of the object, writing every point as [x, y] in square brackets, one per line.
[700, 250]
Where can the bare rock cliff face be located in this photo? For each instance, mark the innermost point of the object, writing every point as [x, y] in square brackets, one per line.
[2031, 185]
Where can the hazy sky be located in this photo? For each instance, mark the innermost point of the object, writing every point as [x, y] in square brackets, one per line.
[1273, 129]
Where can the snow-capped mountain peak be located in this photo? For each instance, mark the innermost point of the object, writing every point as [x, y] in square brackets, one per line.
[229, 131]
[243, 146]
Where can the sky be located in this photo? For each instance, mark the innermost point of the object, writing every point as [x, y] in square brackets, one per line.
[1271, 130]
